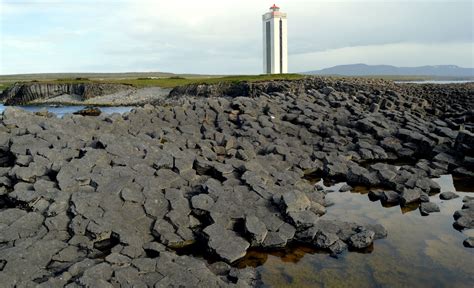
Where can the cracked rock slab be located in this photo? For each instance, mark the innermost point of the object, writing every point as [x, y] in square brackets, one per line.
[226, 243]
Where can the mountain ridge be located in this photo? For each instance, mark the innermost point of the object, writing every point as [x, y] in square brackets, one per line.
[389, 70]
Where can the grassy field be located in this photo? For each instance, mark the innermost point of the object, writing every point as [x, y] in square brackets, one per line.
[5, 85]
[164, 82]
[169, 80]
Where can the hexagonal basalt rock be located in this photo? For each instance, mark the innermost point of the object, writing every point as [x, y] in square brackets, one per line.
[226, 243]
[256, 229]
[428, 208]
[409, 196]
[295, 201]
[362, 239]
[110, 201]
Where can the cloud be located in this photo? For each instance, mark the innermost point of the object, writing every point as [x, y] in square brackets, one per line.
[225, 36]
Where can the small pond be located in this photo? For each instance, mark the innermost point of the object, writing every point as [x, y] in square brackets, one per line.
[60, 111]
[418, 252]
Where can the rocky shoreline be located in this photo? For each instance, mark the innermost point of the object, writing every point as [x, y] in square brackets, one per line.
[91, 94]
[111, 201]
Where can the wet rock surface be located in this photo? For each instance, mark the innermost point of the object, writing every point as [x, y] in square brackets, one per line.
[428, 208]
[88, 111]
[448, 195]
[469, 242]
[114, 200]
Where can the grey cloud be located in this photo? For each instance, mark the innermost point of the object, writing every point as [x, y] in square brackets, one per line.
[344, 24]
[225, 37]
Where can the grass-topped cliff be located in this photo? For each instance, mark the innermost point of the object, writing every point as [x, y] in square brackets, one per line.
[138, 80]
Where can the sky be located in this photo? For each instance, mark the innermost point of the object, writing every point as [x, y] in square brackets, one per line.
[225, 37]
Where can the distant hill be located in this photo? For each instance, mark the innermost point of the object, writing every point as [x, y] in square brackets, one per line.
[373, 70]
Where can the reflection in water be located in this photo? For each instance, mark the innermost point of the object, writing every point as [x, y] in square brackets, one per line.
[464, 184]
[418, 252]
[60, 111]
[290, 254]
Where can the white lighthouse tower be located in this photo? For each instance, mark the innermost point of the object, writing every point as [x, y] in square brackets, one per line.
[275, 42]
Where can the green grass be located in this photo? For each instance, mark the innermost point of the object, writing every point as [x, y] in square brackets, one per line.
[168, 80]
[171, 82]
[4, 86]
[179, 81]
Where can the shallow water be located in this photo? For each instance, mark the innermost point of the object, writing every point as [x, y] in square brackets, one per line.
[63, 110]
[418, 252]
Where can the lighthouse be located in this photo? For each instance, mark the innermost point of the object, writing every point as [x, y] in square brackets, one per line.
[275, 42]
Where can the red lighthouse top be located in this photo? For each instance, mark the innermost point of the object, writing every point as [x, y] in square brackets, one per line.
[275, 8]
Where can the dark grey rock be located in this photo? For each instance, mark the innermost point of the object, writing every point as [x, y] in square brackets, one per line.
[428, 208]
[132, 195]
[345, 188]
[295, 201]
[390, 197]
[469, 242]
[464, 218]
[279, 238]
[468, 199]
[202, 201]
[468, 205]
[375, 195]
[424, 197]
[324, 240]
[362, 239]
[380, 231]
[103, 201]
[220, 268]
[303, 219]
[409, 196]
[448, 196]
[256, 229]
[226, 243]
[337, 248]
[168, 235]
[89, 111]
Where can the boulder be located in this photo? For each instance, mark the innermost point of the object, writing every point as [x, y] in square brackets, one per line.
[375, 195]
[295, 201]
[424, 197]
[362, 239]
[303, 219]
[202, 202]
[469, 242]
[390, 197]
[337, 248]
[427, 208]
[448, 196]
[345, 188]
[409, 196]
[279, 238]
[464, 218]
[89, 111]
[468, 199]
[226, 243]
[465, 143]
[324, 240]
[380, 231]
[256, 229]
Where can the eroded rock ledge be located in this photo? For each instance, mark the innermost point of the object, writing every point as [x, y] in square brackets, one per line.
[108, 201]
[24, 93]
